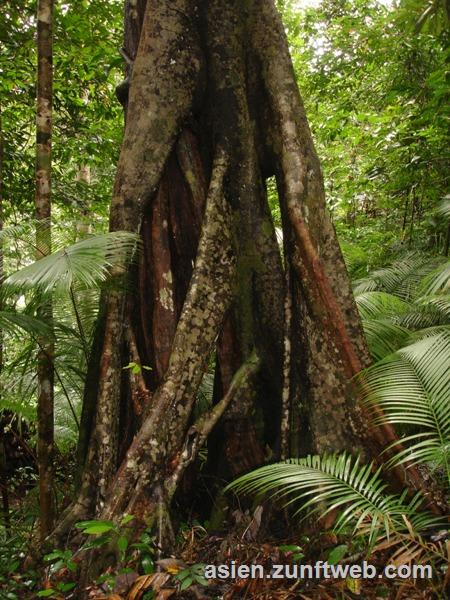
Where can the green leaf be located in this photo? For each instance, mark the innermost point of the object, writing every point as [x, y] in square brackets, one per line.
[122, 543]
[289, 548]
[96, 529]
[97, 542]
[95, 526]
[337, 554]
[187, 582]
[18, 322]
[54, 555]
[148, 566]
[126, 519]
[412, 386]
[337, 481]
[66, 587]
[71, 565]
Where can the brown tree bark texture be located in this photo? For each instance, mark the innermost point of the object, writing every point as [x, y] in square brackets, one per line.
[213, 111]
[45, 371]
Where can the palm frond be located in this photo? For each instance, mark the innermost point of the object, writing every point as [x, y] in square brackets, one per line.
[412, 386]
[365, 284]
[410, 546]
[66, 431]
[403, 276]
[421, 334]
[25, 231]
[427, 311]
[336, 482]
[19, 406]
[437, 281]
[373, 304]
[205, 393]
[355, 259]
[17, 322]
[444, 207]
[384, 337]
[85, 264]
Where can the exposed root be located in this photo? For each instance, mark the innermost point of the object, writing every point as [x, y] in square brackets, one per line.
[207, 301]
[198, 433]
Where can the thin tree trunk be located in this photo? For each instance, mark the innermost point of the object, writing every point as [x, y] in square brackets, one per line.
[405, 216]
[413, 214]
[45, 373]
[3, 476]
[447, 241]
[83, 225]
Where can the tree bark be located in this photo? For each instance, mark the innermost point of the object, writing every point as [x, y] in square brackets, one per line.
[213, 110]
[45, 373]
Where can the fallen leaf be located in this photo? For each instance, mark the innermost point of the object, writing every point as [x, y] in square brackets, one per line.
[146, 582]
[172, 565]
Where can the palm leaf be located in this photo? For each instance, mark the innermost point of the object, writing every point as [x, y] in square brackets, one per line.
[383, 337]
[355, 259]
[16, 323]
[373, 304]
[444, 207]
[427, 311]
[415, 336]
[336, 482]
[406, 276]
[205, 394]
[412, 386]
[25, 231]
[437, 280]
[85, 264]
[365, 284]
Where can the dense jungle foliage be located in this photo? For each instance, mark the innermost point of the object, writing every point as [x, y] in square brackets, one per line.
[374, 79]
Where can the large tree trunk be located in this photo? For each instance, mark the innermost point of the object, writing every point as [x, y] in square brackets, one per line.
[45, 373]
[213, 111]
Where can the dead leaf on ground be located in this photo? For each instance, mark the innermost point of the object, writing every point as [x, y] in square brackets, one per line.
[146, 582]
[171, 565]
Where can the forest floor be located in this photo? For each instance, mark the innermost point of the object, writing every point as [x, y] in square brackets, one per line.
[199, 549]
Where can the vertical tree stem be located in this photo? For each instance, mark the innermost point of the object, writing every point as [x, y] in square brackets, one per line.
[3, 475]
[45, 369]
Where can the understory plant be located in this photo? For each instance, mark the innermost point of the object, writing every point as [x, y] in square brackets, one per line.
[72, 276]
